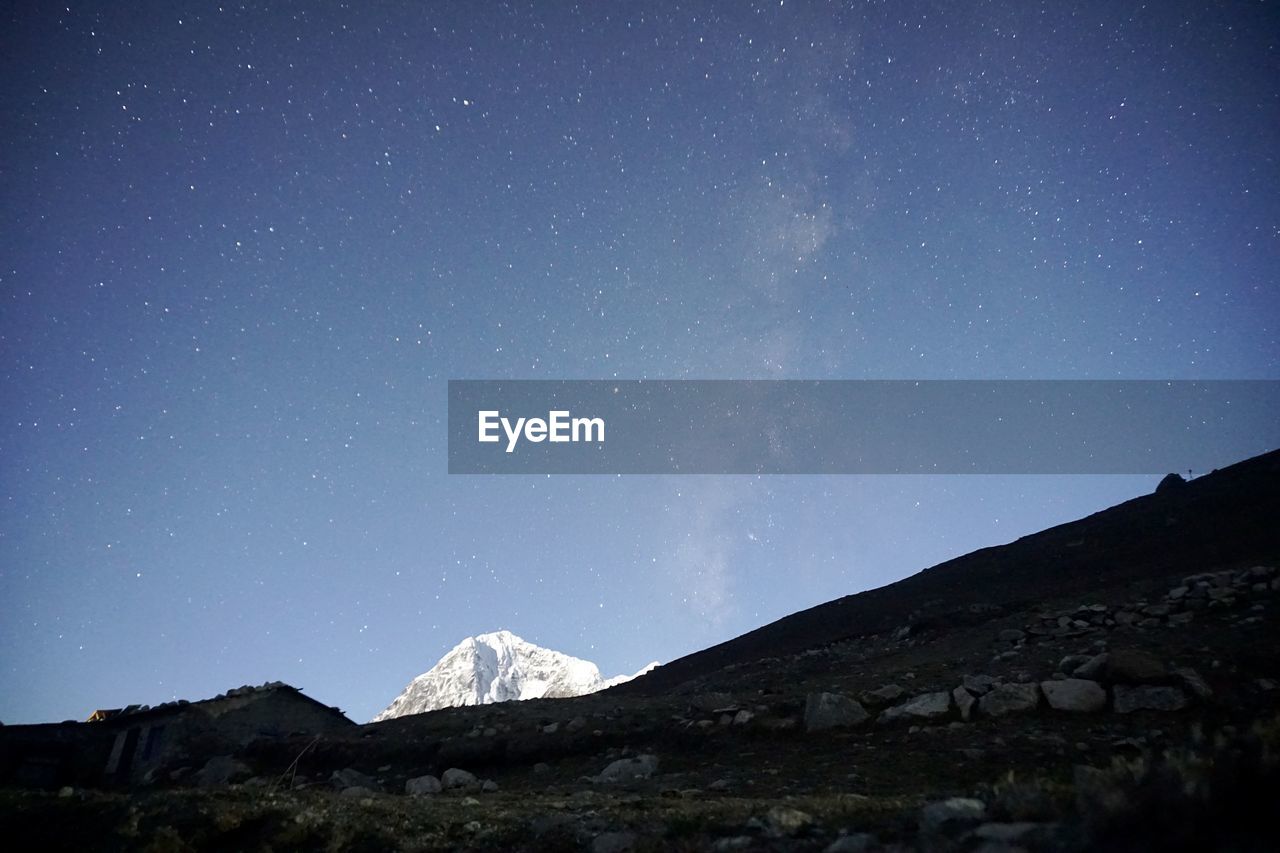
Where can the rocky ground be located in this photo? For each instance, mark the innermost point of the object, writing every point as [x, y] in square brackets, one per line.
[1142, 715]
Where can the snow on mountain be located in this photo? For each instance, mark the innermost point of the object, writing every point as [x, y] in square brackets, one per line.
[499, 667]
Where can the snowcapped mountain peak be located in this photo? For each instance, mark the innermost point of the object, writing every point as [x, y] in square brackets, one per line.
[498, 667]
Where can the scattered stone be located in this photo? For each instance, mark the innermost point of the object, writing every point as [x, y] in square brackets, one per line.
[1010, 699]
[719, 785]
[1134, 666]
[743, 717]
[627, 769]
[550, 728]
[733, 842]
[832, 710]
[950, 814]
[66, 791]
[577, 724]
[1130, 698]
[488, 786]
[964, 701]
[926, 706]
[883, 695]
[453, 778]
[1074, 694]
[421, 785]
[1012, 635]
[541, 767]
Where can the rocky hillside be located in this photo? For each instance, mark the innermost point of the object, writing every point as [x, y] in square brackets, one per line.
[1134, 705]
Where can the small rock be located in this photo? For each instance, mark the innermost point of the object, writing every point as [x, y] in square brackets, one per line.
[421, 785]
[964, 701]
[883, 695]
[66, 791]
[1012, 635]
[743, 717]
[541, 767]
[1010, 699]
[1074, 694]
[978, 684]
[733, 842]
[832, 710]
[1192, 681]
[488, 786]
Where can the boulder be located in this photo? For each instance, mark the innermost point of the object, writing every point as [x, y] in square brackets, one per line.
[350, 778]
[1074, 694]
[832, 710]
[926, 706]
[421, 785]
[455, 779]
[627, 769]
[1010, 699]
[221, 770]
[1146, 697]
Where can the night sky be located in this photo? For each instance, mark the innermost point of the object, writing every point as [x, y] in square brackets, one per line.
[243, 247]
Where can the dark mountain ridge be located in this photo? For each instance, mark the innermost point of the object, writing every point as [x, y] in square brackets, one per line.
[1176, 530]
